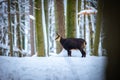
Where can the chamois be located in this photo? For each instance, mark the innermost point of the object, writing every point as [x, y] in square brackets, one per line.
[72, 43]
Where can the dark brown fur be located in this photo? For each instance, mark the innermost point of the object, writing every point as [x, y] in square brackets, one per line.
[73, 43]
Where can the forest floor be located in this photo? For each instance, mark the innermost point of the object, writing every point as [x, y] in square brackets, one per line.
[52, 68]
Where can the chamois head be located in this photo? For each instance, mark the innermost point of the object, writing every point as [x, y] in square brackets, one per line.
[58, 37]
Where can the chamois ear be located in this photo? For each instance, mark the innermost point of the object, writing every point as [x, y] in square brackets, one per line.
[57, 36]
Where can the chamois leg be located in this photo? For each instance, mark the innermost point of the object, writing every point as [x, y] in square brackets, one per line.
[83, 53]
[69, 53]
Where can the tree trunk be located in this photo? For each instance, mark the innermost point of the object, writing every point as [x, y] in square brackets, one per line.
[98, 27]
[71, 18]
[46, 22]
[60, 19]
[18, 30]
[111, 41]
[32, 29]
[44, 29]
[39, 30]
[46, 11]
[10, 30]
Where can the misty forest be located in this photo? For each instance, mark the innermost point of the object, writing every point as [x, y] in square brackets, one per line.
[29, 27]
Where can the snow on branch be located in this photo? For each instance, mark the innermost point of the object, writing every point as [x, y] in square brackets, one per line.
[88, 11]
[32, 17]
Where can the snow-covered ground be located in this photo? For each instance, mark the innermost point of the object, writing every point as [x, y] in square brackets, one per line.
[52, 68]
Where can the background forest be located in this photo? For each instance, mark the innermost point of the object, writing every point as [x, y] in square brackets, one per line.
[28, 27]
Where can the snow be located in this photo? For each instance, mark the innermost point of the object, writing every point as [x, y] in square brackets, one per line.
[57, 67]
[32, 17]
[87, 12]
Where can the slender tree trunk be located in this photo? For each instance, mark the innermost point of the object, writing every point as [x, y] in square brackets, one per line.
[46, 22]
[71, 18]
[60, 19]
[18, 30]
[78, 27]
[39, 30]
[98, 27]
[32, 35]
[92, 26]
[46, 11]
[44, 29]
[10, 30]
